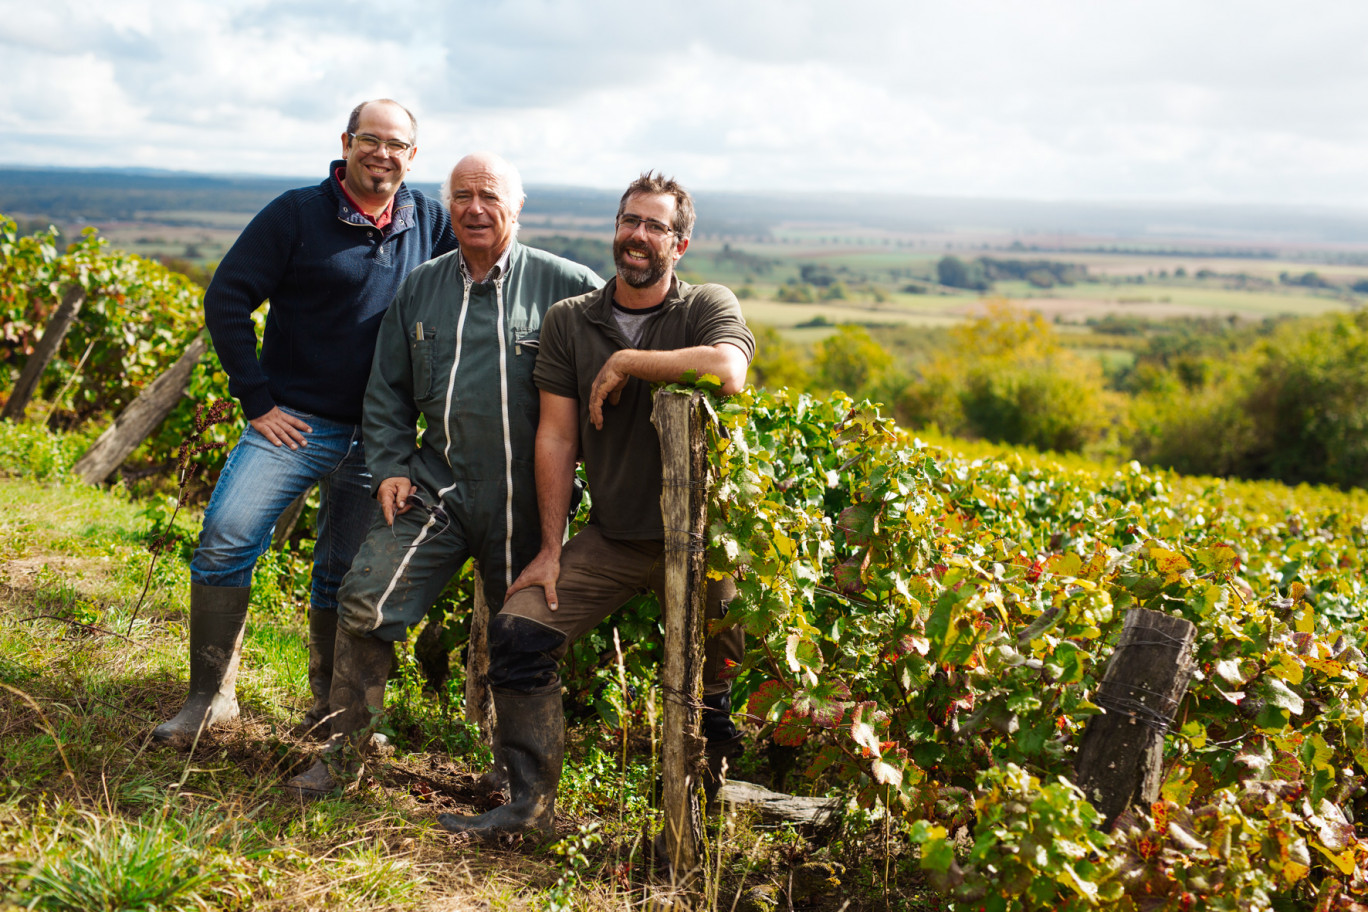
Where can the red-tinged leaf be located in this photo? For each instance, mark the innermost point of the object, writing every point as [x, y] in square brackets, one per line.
[1285, 766]
[792, 730]
[825, 703]
[886, 773]
[1220, 559]
[765, 698]
[824, 759]
[963, 702]
[1170, 563]
[918, 644]
[849, 575]
[860, 523]
[862, 728]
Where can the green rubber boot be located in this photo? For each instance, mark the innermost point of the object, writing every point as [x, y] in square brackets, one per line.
[532, 736]
[218, 616]
[322, 643]
[360, 668]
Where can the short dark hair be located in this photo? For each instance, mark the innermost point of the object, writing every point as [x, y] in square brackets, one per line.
[655, 183]
[354, 120]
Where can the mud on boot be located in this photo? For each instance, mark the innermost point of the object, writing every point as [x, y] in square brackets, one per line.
[218, 616]
[360, 669]
[532, 735]
[316, 723]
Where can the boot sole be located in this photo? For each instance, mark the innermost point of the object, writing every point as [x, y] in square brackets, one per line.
[458, 826]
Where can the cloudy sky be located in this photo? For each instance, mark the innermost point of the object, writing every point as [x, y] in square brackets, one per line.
[1183, 100]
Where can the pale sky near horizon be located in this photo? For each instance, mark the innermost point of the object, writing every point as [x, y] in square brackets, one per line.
[1198, 101]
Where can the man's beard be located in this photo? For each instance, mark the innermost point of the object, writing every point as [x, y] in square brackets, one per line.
[656, 267]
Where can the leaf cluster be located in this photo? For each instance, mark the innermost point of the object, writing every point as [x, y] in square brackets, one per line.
[931, 630]
[137, 318]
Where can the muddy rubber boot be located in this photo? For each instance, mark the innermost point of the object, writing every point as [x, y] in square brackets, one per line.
[360, 668]
[218, 615]
[493, 782]
[532, 731]
[322, 643]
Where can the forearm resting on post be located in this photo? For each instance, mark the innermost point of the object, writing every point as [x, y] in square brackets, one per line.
[725, 361]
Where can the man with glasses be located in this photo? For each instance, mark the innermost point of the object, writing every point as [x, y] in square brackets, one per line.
[330, 259]
[457, 347]
[600, 353]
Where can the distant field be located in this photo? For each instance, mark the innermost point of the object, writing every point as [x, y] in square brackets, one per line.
[1158, 300]
[781, 315]
[885, 271]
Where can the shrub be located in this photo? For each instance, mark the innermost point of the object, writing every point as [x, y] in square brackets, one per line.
[1005, 378]
[1294, 408]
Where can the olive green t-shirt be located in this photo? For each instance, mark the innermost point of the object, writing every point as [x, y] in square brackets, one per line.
[622, 461]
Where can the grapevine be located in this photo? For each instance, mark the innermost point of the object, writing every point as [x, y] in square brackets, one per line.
[932, 629]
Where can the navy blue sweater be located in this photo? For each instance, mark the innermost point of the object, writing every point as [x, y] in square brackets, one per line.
[330, 276]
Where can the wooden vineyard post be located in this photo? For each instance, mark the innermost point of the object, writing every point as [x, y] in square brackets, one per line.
[140, 418]
[479, 702]
[1121, 756]
[678, 418]
[43, 352]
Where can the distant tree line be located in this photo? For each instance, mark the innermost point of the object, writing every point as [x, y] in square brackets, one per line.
[980, 274]
[596, 254]
[747, 262]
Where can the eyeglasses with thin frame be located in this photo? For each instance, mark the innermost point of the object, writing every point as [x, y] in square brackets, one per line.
[628, 224]
[367, 143]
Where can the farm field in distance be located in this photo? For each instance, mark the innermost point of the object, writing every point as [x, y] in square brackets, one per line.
[876, 285]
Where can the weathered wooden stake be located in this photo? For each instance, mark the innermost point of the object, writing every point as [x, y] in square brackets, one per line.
[1121, 756]
[678, 419]
[43, 353]
[479, 701]
[140, 418]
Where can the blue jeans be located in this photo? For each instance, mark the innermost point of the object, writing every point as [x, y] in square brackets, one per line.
[260, 480]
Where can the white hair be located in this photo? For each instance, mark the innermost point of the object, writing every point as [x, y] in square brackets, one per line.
[507, 170]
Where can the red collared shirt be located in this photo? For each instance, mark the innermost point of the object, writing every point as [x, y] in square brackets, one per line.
[379, 221]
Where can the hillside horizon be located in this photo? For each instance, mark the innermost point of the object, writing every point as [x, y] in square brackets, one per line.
[94, 194]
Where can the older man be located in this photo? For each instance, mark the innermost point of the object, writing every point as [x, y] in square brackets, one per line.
[600, 353]
[458, 346]
[330, 259]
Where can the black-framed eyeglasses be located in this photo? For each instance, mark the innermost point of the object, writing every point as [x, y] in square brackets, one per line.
[367, 143]
[630, 223]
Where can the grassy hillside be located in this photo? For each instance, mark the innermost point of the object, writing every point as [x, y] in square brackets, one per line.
[92, 816]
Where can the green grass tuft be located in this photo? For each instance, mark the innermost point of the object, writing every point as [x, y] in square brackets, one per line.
[95, 863]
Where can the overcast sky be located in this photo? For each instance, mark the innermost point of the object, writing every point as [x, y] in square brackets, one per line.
[1194, 100]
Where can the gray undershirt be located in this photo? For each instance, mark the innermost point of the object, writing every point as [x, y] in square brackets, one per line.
[633, 322]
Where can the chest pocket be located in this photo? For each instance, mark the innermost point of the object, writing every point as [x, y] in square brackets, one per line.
[422, 348]
[525, 347]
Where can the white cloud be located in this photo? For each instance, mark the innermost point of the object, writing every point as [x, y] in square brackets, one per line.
[1053, 99]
